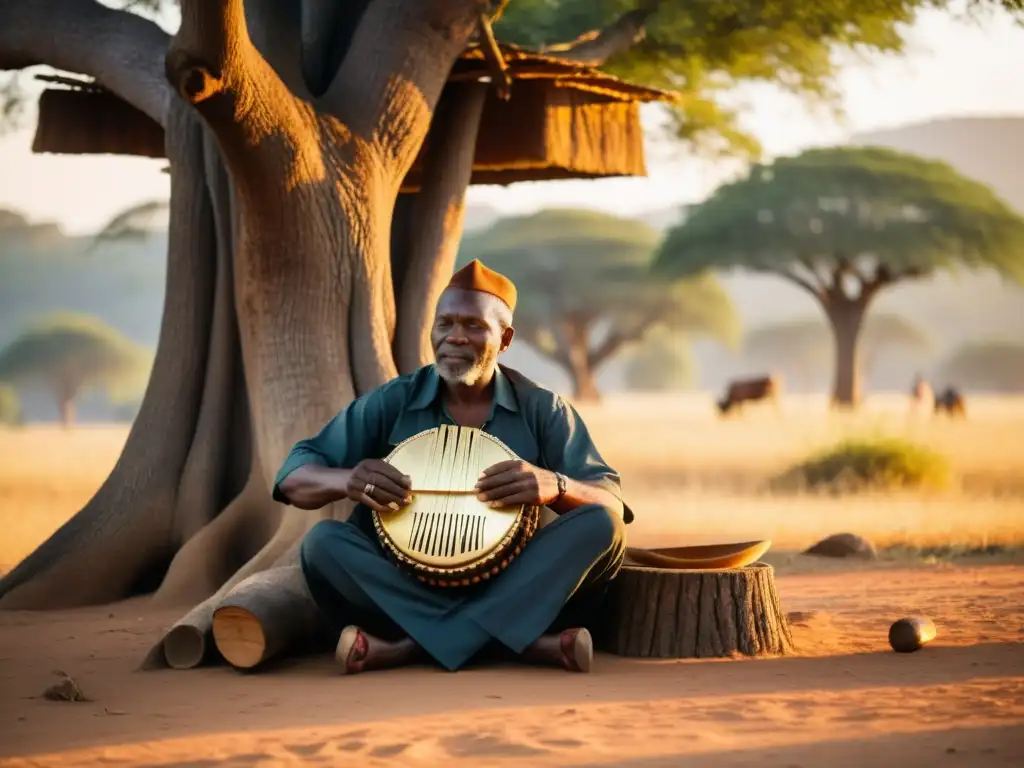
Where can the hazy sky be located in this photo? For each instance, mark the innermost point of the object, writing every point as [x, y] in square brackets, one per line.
[951, 69]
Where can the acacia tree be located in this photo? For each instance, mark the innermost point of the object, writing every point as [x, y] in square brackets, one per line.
[586, 289]
[662, 362]
[71, 354]
[806, 347]
[843, 224]
[289, 127]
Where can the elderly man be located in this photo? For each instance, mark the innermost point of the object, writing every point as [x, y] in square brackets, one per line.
[533, 607]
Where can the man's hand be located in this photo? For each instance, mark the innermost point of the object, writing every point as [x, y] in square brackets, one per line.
[515, 482]
[378, 485]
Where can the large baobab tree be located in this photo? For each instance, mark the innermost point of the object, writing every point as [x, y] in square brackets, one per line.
[290, 128]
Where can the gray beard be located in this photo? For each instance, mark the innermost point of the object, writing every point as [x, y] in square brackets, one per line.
[465, 374]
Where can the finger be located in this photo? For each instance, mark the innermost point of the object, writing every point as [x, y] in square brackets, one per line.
[497, 481]
[391, 472]
[374, 504]
[514, 500]
[512, 490]
[501, 466]
[386, 489]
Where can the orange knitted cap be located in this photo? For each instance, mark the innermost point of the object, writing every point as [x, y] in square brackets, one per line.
[476, 277]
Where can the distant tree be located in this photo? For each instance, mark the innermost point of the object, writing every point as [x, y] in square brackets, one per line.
[71, 354]
[134, 223]
[707, 50]
[663, 362]
[586, 291]
[995, 366]
[805, 348]
[10, 406]
[844, 224]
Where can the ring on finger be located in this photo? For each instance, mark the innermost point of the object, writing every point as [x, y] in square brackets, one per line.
[368, 490]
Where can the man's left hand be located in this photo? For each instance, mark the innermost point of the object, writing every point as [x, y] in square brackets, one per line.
[514, 482]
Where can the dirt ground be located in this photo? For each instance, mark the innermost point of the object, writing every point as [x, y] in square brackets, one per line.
[843, 699]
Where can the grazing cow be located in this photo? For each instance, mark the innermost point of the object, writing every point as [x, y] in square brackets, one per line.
[747, 390]
[952, 402]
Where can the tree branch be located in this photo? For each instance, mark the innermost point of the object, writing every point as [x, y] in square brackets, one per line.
[596, 47]
[400, 58]
[618, 338]
[531, 334]
[794, 278]
[213, 64]
[123, 51]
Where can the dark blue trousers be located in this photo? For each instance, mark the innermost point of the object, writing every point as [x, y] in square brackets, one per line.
[555, 582]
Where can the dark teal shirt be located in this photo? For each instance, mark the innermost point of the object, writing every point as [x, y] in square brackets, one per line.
[536, 423]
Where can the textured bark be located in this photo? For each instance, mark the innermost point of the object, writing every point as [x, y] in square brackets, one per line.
[437, 215]
[266, 614]
[280, 304]
[596, 47]
[64, 34]
[660, 613]
[202, 492]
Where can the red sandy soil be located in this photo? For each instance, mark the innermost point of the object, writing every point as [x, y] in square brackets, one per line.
[844, 700]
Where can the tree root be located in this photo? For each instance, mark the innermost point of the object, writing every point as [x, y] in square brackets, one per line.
[187, 643]
[266, 614]
[210, 557]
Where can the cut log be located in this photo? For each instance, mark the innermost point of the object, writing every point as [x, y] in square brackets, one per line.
[679, 614]
[265, 615]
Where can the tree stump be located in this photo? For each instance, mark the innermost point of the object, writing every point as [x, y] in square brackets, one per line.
[265, 615]
[675, 614]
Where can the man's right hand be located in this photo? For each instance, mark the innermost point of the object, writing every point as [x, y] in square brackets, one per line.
[379, 486]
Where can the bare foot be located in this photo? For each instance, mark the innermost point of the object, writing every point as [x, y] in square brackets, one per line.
[572, 649]
[358, 651]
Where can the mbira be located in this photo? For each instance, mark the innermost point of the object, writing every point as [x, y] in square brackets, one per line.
[447, 537]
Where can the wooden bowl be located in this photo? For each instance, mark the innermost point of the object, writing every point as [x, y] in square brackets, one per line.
[702, 557]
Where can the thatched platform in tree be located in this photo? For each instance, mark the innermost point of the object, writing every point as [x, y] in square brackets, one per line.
[80, 117]
[563, 120]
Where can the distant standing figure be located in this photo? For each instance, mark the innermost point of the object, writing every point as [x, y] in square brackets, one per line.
[952, 402]
[751, 390]
[922, 397]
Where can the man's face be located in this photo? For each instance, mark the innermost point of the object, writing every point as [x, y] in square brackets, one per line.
[467, 335]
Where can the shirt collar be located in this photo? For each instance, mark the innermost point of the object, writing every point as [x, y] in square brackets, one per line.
[426, 394]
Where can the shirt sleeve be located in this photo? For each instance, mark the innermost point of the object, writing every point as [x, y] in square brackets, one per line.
[569, 449]
[356, 433]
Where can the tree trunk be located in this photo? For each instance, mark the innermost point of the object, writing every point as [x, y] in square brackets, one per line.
[846, 317]
[436, 217]
[661, 613]
[280, 305]
[66, 406]
[574, 340]
[265, 615]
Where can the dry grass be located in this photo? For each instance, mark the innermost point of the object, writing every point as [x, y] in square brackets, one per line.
[688, 475]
